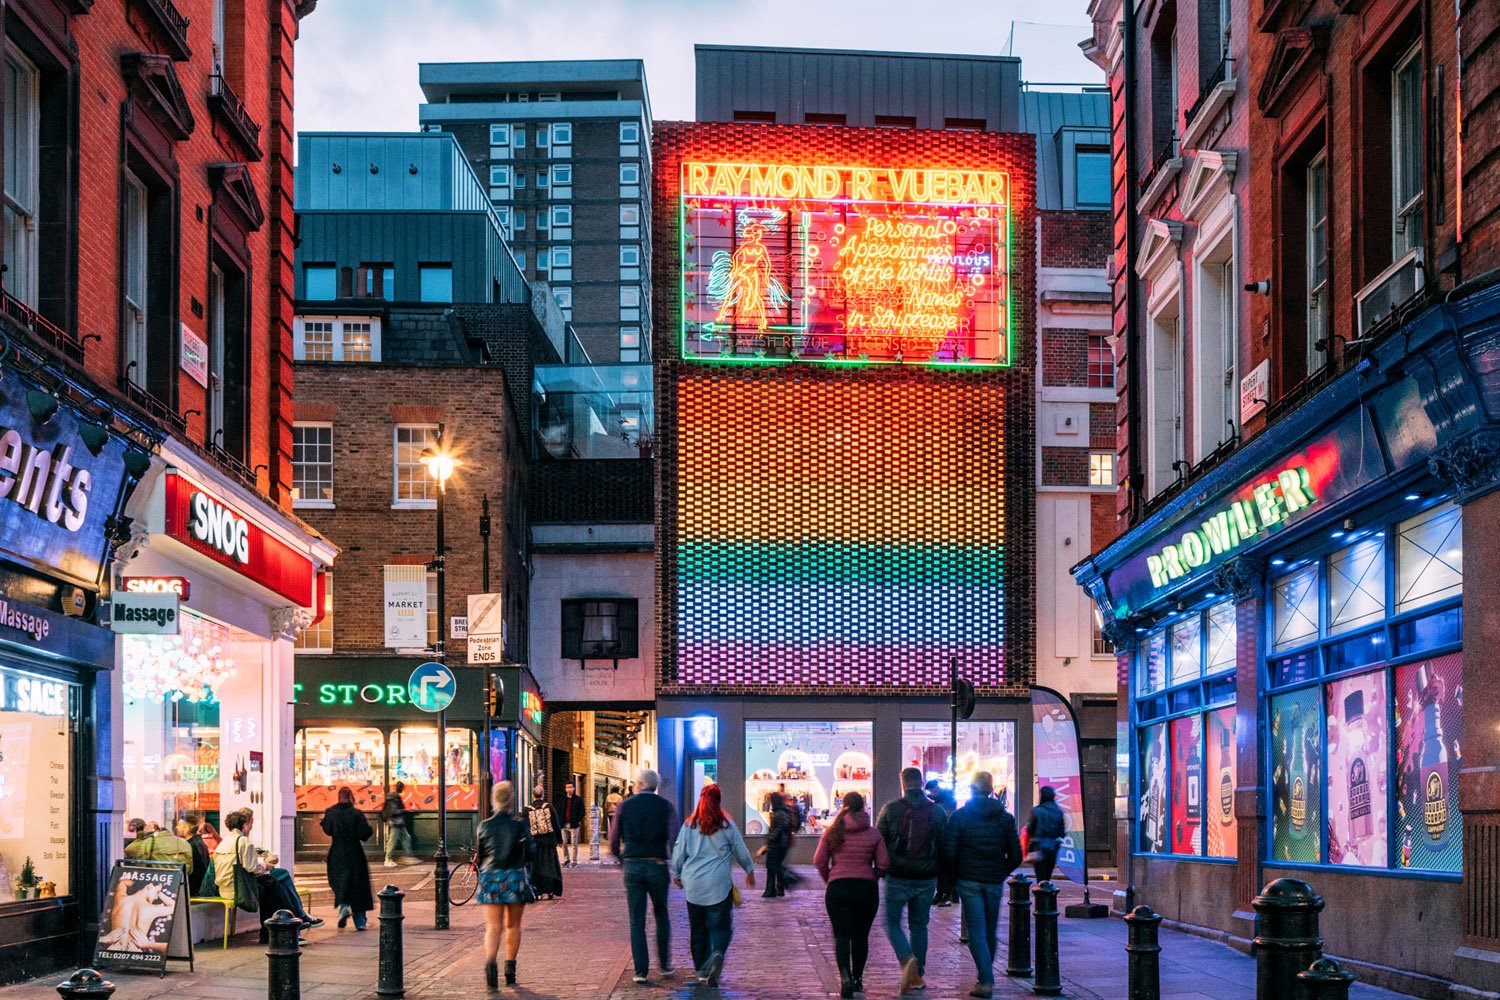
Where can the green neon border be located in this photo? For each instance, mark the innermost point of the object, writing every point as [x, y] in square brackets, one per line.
[1009, 308]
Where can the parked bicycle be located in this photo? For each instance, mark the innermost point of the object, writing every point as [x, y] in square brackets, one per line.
[465, 875]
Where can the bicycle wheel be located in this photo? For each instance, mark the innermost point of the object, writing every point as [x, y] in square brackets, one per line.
[465, 880]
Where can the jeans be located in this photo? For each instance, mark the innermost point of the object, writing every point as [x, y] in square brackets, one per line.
[570, 844]
[775, 869]
[981, 902]
[851, 904]
[1046, 863]
[644, 879]
[710, 930]
[912, 898]
[396, 835]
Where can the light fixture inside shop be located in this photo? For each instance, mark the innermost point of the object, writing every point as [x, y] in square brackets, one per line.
[174, 668]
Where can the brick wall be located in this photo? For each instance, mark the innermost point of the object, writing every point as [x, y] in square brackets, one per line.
[1075, 238]
[1065, 357]
[1065, 466]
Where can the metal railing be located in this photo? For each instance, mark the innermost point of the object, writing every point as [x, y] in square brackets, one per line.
[1167, 151]
[41, 328]
[228, 104]
[1219, 74]
[171, 21]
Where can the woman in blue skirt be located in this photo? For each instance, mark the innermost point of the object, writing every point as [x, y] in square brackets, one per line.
[505, 849]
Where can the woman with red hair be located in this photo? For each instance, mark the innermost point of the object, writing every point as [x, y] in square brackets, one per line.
[702, 866]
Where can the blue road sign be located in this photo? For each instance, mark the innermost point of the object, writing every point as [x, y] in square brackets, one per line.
[432, 687]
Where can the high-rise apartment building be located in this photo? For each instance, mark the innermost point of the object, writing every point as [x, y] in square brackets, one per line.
[564, 148]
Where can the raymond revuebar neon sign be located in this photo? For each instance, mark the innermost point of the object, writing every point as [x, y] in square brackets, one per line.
[1270, 503]
[786, 262]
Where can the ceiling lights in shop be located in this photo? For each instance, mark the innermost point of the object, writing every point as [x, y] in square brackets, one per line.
[187, 667]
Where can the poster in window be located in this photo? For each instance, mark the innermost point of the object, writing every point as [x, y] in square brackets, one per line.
[1296, 780]
[1219, 777]
[1429, 734]
[1187, 785]
[1154, 789]
[1358, 780]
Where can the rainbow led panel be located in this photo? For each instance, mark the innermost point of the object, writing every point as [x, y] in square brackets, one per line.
[839, 527]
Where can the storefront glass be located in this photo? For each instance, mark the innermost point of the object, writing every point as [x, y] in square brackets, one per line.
[38, 720]
[414, 759]
[814, 763]
[334, 758]
[982, 746]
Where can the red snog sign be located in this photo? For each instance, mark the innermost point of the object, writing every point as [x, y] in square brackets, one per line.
[206, 524]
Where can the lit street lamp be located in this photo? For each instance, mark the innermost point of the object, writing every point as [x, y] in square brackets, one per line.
[440, 465]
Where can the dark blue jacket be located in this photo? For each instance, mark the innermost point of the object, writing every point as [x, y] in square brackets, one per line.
[645, 826]
[980, 843]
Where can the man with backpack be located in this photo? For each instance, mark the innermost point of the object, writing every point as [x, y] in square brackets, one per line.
[397, 820]
[912, 827]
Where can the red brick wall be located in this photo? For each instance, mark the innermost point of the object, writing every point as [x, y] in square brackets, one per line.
[1065, 357]
[1075, 239]
[1065, 466]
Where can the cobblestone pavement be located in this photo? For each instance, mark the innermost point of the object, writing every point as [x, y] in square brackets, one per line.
[578, 947]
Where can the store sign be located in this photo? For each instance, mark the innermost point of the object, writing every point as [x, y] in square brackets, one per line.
[531, 707]
[194, 358]
[17, 618]
[405, 607]
[145, 614]
[179, 585]
[868, 264]
[207, 524]
[24, 693]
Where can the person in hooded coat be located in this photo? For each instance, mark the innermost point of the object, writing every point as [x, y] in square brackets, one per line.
[348, 868]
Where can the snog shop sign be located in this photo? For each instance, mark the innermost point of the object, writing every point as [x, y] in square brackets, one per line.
[210, 525]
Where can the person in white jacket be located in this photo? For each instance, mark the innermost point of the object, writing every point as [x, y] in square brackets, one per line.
[702, 861]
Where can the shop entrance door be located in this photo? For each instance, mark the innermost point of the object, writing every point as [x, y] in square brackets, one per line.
[701, 770]
[1098, 759]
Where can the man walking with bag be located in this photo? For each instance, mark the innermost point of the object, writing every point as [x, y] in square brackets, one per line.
[397, 820]
[912, 827]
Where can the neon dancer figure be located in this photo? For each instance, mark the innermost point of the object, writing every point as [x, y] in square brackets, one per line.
[744, 279]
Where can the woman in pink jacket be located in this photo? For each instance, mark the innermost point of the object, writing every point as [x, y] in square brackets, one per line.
[851, 857]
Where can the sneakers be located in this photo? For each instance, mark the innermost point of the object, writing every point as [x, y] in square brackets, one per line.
[669, 970]
[638, 978]
[909, 976]
[710, 974]
[391, 864]
[982, 990]
[344, 915]
[312, 921]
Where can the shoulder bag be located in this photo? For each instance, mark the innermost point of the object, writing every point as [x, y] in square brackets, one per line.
[246, 888]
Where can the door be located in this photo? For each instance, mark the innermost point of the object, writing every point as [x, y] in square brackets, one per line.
[1099, 802]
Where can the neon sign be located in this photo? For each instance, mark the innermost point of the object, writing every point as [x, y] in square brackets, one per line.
[531, 707]
[1270, 503]
[791, 262]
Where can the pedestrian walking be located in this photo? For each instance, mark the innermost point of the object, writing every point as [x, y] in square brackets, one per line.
[570, 816]
[778, 843]
[348, 868]
[1044, 833]
[642, 837]
[851, 857]
[397, 819]
[912, 828]
[946, 893]
[982, 847]
[546, 873]
[504, 862]
[707, 847]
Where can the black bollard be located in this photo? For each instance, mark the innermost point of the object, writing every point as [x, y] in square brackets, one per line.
[1018, 962]
[1325, 980]
[1288, 940]
[1144, 953]
[392, 969]
[85, 984]
[284, 970]
[1048, 982]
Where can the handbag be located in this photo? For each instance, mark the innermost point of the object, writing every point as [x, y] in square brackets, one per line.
[246, 888]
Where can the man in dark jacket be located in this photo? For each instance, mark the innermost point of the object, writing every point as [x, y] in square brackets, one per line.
[912, 827]
[570, 816]
[946, 893]
[187, 829]
[981, 845]
[642, 835]
[1044, 833]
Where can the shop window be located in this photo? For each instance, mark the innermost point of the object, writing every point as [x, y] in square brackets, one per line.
[351, 339]
[435, 282]
[1356, 585]
[38, 726]
[1152, 676]
[1428, 737]
[815, 764]
[1186, 649]
[1294, 607]
[318, 637]
[414, 487]
[325, 760]
[312, 465]
[982, 746]
[606, 629]
[414, 760]
[1429, 558]
[1102, 646]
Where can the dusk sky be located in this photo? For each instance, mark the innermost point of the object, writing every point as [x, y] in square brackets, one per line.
[357, 59]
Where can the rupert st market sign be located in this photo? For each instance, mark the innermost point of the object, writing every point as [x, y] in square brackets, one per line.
[208, 524]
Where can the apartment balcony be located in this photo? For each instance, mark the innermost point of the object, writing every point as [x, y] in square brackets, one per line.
[230, 112]
[1214, 96]
[20, 315]
[169, 23]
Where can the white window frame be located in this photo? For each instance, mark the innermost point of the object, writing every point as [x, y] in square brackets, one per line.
[218, 24]
[299, 331]
[133, 242]
[630, 256]
[562, 134]
[501, 175]
[1315, 219]
[500, 134]
[562, 215]
[630, 173]
[1215, 333]
[562, 175]
[319, 629]
[428, 501]
[216, 375]
[22, 193]
[1406, 137]
[1102, 468]
[313, 503]
[630, 132]
[1165, 403]
[518, 137]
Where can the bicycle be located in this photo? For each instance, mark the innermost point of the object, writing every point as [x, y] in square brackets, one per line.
[465, 876]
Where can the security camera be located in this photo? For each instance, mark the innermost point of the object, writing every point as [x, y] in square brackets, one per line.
[1258, 287]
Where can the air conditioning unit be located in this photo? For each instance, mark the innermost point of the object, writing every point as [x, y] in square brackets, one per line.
[1390, 290]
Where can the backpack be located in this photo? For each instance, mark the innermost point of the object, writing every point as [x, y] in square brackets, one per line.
[914, 839]
[540, 818]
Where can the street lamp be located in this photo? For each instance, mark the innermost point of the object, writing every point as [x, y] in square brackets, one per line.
[440, 465]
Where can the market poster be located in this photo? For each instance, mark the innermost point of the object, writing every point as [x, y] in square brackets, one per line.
[1153, 819]
[1429, 736]
[1358, 779]
[405, 607]
[1054, 737]
[145, 917]
[1187, 785]
[1296, 781]
[1220, 775]
[814, 764]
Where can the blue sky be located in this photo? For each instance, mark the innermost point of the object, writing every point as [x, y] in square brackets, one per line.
[357, 59]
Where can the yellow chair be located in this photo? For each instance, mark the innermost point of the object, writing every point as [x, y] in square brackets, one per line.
[231, 913]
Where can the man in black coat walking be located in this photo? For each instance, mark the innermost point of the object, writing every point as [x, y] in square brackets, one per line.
[348, 869]
[981, 847]
[570, 816]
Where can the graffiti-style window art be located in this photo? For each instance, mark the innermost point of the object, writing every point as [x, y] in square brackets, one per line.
[845, 264]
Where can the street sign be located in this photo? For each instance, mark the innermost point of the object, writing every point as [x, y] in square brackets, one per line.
[486, 629]
[485, 649]
[145, 614]
[458, 627]
[432, 687]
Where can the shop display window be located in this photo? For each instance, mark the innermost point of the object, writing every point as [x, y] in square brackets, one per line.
[414, 760]
[1153, 790]
[1152, 675]
[329, 759]
[814, 763]
[38, 723]
[982, 746]
[1294, 607]
[1219, 780]
[1373, 692]
[1186, 787]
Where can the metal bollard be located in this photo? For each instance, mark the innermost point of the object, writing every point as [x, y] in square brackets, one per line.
[392, 982]
[1144, 953]
[85, 984]
[1325, 980]
[284, 970]
[1018, 962]
[596, 816]
[1288, 940]
[1048, 982]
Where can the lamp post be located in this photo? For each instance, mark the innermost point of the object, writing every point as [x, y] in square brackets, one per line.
[440, 465]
